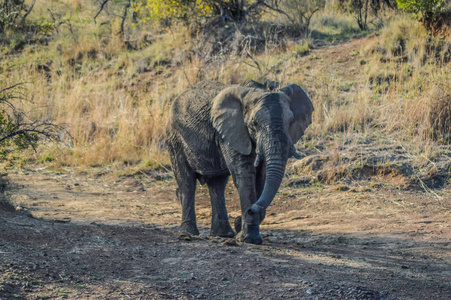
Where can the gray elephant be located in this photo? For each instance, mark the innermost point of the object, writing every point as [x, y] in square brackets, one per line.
[246, 131]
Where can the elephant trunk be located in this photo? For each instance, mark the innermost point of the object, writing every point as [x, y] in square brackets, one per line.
[276, 156]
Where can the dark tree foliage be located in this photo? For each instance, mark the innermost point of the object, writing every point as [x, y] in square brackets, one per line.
[13, 13]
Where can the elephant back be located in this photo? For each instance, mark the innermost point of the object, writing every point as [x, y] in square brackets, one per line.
[189, 126]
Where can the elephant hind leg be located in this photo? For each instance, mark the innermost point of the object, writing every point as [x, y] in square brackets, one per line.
[186, 181]
[220, 225]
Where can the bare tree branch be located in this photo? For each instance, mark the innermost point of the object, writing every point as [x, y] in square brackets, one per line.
[12, 87]
[260, 2]
[16, 124]
[28, 12]
[100, 10]
[255, 61]
[29, 130]
[124, 17]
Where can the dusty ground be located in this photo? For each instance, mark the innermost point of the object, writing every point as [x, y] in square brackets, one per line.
[101, 236]
[98, 235]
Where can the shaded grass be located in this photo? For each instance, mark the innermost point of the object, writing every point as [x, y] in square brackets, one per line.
[332, 27]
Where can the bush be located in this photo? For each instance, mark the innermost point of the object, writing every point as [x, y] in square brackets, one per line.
[425, 10]
[187, 11]
[17, 130]
[301, 12]
[406, 40]
[13, 13]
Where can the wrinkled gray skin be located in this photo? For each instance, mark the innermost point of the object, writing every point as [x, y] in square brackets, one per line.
[248, 132]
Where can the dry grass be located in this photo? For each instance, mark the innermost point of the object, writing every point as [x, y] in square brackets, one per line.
[114, 97]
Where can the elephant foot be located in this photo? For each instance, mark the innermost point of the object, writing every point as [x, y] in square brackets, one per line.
[190, 228]
[251, 235]
[221, 228]
[254, 239]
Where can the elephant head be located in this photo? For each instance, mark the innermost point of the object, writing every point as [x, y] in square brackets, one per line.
[263, 126]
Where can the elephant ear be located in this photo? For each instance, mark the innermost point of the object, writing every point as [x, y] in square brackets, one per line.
[302, 108]
[228, 119]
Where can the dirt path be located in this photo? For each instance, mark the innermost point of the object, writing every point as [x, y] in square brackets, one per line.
[119, 241]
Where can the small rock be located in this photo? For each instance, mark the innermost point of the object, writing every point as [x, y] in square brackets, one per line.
[184, 236]
[310, 291]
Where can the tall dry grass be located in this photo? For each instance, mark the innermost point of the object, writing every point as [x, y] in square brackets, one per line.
[114, 96]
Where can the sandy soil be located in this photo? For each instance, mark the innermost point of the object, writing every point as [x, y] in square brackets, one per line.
[101, 236]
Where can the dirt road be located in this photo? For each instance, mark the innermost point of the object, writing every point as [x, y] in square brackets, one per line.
[101, 236]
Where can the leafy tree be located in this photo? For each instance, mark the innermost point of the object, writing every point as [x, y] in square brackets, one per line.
[187, 11]
[425, 10]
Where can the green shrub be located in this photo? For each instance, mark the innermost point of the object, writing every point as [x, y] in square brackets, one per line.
[424, 10]
[187, 11]
[13, 13]
[302, 48]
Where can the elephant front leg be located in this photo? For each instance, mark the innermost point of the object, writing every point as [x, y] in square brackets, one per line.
[250, 228]
[220, 225]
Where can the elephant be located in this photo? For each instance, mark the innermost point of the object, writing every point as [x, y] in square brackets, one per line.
[249, 132]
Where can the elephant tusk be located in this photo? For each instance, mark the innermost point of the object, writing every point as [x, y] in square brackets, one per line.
[294, 153]
[257, 160]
